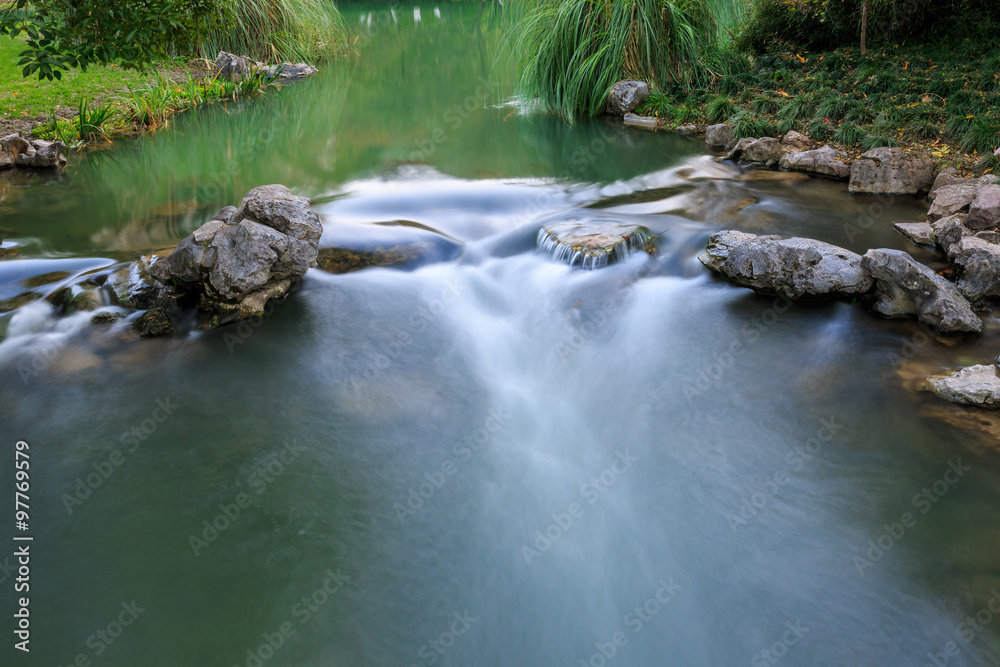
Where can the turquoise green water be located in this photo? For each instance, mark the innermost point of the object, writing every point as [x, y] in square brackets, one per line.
[491, 460]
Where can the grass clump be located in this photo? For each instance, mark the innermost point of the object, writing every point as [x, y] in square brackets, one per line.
[719, 109]
[572, 51]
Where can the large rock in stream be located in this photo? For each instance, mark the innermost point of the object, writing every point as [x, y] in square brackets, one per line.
[795, 267]
[978, 386]
[905, 287]
[228, 268]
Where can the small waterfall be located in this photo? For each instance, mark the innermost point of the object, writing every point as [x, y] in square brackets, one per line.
[593, 245]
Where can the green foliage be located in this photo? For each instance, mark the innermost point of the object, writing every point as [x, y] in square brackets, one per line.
[571, 51]
[983, 136]
[878, 141]
[278, 30]
[799, 107]
[746, 124]
[90, 123]
[62, 35]
[827, 24]
[922, 129]
[849, 134]
[718, 109]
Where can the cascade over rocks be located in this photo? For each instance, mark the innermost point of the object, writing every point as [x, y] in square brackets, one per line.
[593, 243]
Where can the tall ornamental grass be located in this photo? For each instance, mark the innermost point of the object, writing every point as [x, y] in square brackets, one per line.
[570, 52]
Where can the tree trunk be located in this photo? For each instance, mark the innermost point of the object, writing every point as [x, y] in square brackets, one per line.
[864, 28]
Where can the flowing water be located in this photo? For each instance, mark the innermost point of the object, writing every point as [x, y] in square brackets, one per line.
[495, 459]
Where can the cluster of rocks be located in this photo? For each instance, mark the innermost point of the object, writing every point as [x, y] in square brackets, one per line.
[228, 268]
[234, 67]
[963, 222]
[893, 282]
[880, 171]
[15, 150]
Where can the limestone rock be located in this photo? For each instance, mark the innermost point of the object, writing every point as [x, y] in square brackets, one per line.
[906, 287]
[917, 233]
[824, 161]
[984, 211]
[626, 96]
[795, 267]
[952, 199]
[719, 136]
[796, 142]
[890, 171]
[978, 386]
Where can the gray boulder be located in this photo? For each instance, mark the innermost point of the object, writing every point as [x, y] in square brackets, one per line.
[890, 171]
[249, 256]
[764, 151]
[626, 96]
[11, 147]
[949, 231]
[686, 130]
[290, 70]
[824, 161]
[48, 154]
[737, 151]
[984, 211]
[796, 142]
[795, 267]
[952, 199]
[233, 67]
[906, 287]
[978, 386]
[950, 176]
[719, 136]
[978, 261]
[917, 233]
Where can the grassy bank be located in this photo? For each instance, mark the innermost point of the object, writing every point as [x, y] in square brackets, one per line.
[941, 100]
[930, 79]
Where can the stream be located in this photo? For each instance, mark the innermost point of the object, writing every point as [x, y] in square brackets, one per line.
[495, 458]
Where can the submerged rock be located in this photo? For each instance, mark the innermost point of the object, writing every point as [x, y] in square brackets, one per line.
[906, 287]
[593, 244]
[795, 267]
[978, 386]
[824, 161]
[890, 171]
[626, 96]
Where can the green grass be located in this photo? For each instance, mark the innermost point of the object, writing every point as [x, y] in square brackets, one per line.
[29, 98]
[570, 52]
